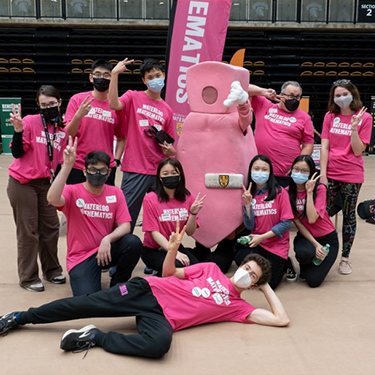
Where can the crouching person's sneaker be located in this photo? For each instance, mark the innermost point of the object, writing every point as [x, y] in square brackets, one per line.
[79, 340]
[7, 322]
[291, 273]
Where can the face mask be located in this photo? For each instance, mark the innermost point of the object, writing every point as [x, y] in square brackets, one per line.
[343, 101]
[96, 180]
[101, 84]
[156, 85]
[242, 278]
[291, 104]
[299, 178]
[260, 177]
[50, 113]
[170, 182]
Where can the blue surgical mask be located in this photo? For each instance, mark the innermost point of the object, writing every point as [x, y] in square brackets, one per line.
[156, 85]
[299, 178]
[260, 177]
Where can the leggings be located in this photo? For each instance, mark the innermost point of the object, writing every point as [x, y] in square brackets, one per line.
[349, 195]
[133, 298]
[305, 253]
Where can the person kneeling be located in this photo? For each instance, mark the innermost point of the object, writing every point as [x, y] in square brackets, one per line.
[98, 223]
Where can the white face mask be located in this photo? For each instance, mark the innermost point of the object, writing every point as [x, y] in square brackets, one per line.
[343, 101]
[242, 278]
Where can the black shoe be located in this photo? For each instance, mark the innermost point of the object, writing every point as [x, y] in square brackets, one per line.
[7, 322]
[58, 280]
[291, 273]
[148, 271]
[77, 340]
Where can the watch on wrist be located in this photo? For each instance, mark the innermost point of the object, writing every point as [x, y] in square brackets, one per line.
[118, 162]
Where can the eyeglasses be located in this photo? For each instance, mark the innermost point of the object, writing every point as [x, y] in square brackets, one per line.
[297, 170]
[101, 75]
[290, 96]
[49, 105]
[341, 82]
[102, 171]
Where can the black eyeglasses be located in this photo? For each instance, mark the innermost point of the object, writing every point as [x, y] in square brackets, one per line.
[102, 171]
[101, 75]
[341, 82]
[291, 97]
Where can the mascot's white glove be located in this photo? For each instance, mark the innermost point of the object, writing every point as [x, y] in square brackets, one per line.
[237, 95]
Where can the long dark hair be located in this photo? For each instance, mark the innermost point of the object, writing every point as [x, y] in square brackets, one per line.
[293, 187]
[272, 185]
[181, 191]
[49, 90]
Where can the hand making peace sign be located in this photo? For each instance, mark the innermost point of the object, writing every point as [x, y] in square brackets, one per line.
[70, 152]
[16, 119]
[356, 119]
[246, 196]
[197, 205]
[310, 184]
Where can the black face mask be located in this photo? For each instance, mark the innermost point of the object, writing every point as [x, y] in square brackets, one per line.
[97, 179]
[291, 104]
[50, 113]
[101, 84]
[170, 182]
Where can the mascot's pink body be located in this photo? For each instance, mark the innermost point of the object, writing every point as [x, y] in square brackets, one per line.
[216, 139]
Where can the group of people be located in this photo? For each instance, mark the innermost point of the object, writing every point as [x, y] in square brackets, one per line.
[77, 154]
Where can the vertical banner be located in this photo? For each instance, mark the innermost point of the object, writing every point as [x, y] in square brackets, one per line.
[197, 33]
[6, 126]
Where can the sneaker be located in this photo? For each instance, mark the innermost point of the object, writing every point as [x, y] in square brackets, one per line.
[291, 273]
[7, 322]
[37, 287]
[58, 280]
[148, 271]
[345, 268]
[78, 340]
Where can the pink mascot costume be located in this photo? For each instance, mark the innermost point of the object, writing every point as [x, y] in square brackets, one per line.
[216, 146]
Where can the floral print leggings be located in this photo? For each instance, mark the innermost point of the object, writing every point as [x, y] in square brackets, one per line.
[347, 193]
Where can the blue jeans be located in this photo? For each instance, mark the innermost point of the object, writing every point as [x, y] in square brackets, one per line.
[85, 277]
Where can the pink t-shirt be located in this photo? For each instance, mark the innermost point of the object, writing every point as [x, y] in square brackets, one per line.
[323, 224]
[142, 153]
[162, 216]
[280, 134]
[206, 295]
[89, 218]
[97, 129]
[35, 163]
[343, 165]
[269, 213]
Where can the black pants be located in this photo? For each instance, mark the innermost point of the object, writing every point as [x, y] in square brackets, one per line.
[305, 253]
[222, 256]
[85, 277]
[154, 258]
[278, 264]
[76, 176]
[133, 298]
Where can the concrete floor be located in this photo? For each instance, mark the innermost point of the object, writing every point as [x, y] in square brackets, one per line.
[332, 328]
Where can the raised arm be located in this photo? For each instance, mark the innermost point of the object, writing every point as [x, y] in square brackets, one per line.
[114, 101]
[255, 90]
[357, 145]
[169, 267]
[276, 317]
[54, 195]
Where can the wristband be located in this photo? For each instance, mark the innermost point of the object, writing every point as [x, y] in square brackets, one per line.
[193, 214]
[118, 162]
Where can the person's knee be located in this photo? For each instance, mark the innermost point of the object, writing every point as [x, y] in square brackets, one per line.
[159, 346]
[131, 242]
[314, 281]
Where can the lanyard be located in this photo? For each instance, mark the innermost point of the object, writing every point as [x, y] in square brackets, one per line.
[49, 143]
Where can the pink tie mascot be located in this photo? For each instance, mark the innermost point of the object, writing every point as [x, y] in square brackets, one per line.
[216, 146]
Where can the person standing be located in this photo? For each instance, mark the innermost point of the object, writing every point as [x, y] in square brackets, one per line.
[142, 109]
[346, 133]
[89, 118]
[38, 142]
[282, 131]
[98, 223]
